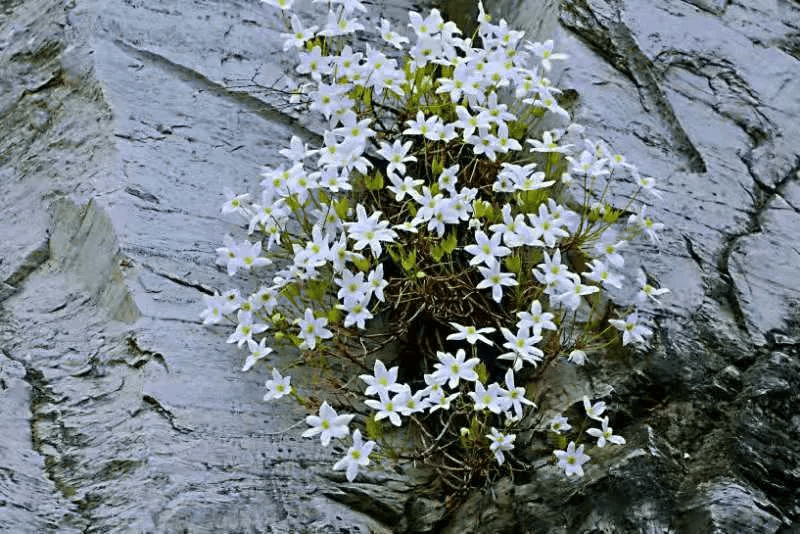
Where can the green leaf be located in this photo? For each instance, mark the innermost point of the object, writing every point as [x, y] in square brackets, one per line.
[474, 427]
[436, 253]
[362, 264]
[517, 129]
[374, 183]
[478, 208]
[513, 264]
[294, 205]
[483, 374]
[296, 341]
[394, 253]
[437, 166]
[342, 206]
[334, 315]
[464, 438]
[291, 292]
[450, 242]
[611, 215]
[529, 200]
[373, 429]
[489, 213]
[409, 261]
[316, 289]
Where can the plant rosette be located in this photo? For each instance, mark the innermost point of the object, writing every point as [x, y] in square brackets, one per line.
[440, 203]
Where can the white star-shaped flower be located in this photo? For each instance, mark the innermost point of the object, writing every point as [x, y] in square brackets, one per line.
[328, 424]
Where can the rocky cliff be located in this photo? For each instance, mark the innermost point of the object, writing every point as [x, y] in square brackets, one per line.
[123, 120]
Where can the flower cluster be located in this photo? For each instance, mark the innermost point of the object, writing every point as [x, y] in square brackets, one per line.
[436, 202]
[572, 459]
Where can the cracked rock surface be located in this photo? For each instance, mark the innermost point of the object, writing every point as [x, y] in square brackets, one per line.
[124, 120]
[705, 97]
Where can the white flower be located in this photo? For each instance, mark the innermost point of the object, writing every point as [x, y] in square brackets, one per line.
[513, 397]
[513, 229]
[390, 408]
[434, 389]
[545, 53]
[376, 282]
[500, 443]
[278, 386]
[390, 37]
[402, 186]
[246, 328]
[536, 319]
[280, 4]
[297, 151]
[469, 123]
[492, 277]
[609, 247]
[454, 368]
[369, 231]
[248, 255]
[571, 298]
[593, 410]
[572, 460]
[413, 403]
[231, 300]
[646, 224]
[429, 128]
[646, 290]
[328, 424]
[605, 434]
[548, 144]
[548, 228]
[601, 273]
[314, 63]
[264, 298]
[443, 402]
[357, 456]
[632, 331]
[471, 334]
[327, 99]
[229, 255]
[559, 424]
[397, 156]
[340, 25]
[213, 312]
[382, 381]
[298, 36]
[578, 357]
[257, 352]
[312, 328]
[357, 313]
[407, 226]
[648, 184]
[486, 398]
[235, 203]
[522, 348]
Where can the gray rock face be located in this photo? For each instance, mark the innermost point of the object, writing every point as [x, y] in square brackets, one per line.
[122, 125]
[704, 97]
[123, 122]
